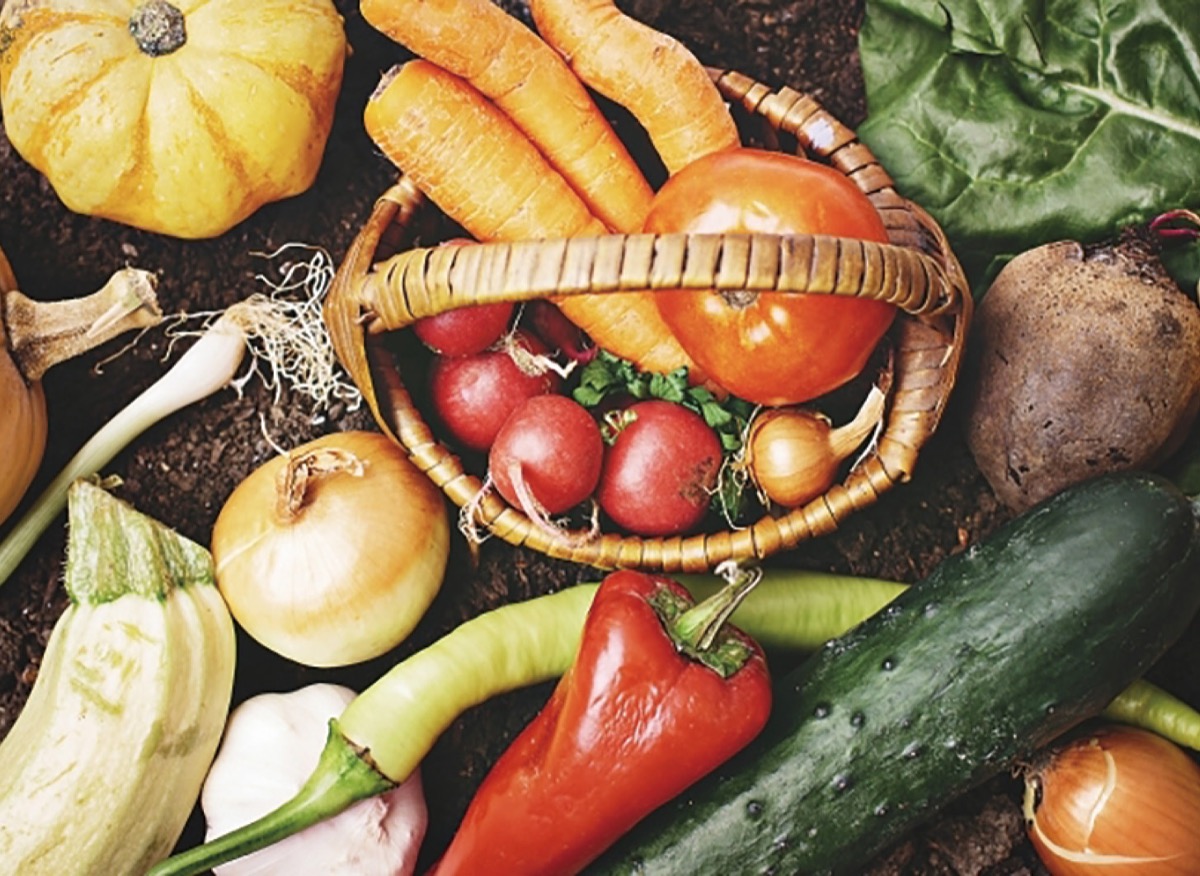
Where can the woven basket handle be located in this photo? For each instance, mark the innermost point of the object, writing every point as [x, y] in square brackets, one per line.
[425, 281]
[915, 271]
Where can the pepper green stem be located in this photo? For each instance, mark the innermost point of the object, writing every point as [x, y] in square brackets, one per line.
[697, 632]
[343, 776]
[697, 628]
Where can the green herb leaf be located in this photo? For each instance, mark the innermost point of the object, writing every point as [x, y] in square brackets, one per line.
[608, 376]
[1018, 122]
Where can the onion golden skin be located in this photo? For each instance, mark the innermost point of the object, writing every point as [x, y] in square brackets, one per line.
[790, 456]
[346, 576]
[22, 432]
[23, 422]
[1120, 801]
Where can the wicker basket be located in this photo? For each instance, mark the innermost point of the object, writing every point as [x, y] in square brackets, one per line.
[372, 295]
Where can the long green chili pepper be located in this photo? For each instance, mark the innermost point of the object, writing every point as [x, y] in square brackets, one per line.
[792, 610]
[1150, 707]
[389, 728]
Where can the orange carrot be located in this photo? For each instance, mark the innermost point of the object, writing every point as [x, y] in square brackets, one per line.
[507, 62]
[471, 160]
[648, 72]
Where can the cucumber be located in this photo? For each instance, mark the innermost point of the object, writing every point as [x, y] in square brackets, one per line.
[1000, 650]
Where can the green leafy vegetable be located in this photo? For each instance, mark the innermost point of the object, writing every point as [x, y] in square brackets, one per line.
[1019, 122]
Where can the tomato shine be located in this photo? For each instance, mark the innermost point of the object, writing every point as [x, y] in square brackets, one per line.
[770, 348]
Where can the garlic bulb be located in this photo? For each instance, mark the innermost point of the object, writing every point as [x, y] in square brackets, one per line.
[271, 745]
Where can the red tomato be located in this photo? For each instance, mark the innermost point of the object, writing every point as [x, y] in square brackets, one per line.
[472, 396]
[770, 348]
[660, 470]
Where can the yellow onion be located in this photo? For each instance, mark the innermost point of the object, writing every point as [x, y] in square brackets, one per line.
[794, 454]
[1119, 801]
[331, 554]
[22, 430]
[34, 337]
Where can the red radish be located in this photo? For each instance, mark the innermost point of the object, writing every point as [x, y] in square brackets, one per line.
[552, 326]
[465, 330]
[546, 458]
[473, 395]
[660, 469]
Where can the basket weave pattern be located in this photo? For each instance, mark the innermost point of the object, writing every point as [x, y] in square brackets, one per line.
[916, 271]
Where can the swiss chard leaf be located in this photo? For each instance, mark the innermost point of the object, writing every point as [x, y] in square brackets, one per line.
[1018, 122]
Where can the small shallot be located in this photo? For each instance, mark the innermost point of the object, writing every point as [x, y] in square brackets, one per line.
[794, 455]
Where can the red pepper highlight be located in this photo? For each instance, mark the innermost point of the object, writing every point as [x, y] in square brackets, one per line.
[661, 692]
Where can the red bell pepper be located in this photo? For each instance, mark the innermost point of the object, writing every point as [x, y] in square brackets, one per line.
[661, 692]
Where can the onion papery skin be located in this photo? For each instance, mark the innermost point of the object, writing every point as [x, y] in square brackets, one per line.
[790, 456]
[23, 423]
[347, 576]
[22, 432]
[1120, 802]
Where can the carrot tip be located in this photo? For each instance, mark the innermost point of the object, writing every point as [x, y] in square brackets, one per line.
[385, 80]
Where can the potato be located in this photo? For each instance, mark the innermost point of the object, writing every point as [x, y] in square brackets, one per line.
[1079, 364]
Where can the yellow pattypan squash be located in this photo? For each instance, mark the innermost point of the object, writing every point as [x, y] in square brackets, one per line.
[180, 117]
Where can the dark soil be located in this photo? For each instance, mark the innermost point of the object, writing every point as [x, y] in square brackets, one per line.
[182, 470]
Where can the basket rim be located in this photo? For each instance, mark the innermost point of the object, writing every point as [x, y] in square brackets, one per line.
[916, 282]
[930, 332]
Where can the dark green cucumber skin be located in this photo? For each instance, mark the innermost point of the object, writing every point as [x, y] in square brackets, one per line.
[1001, 649]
